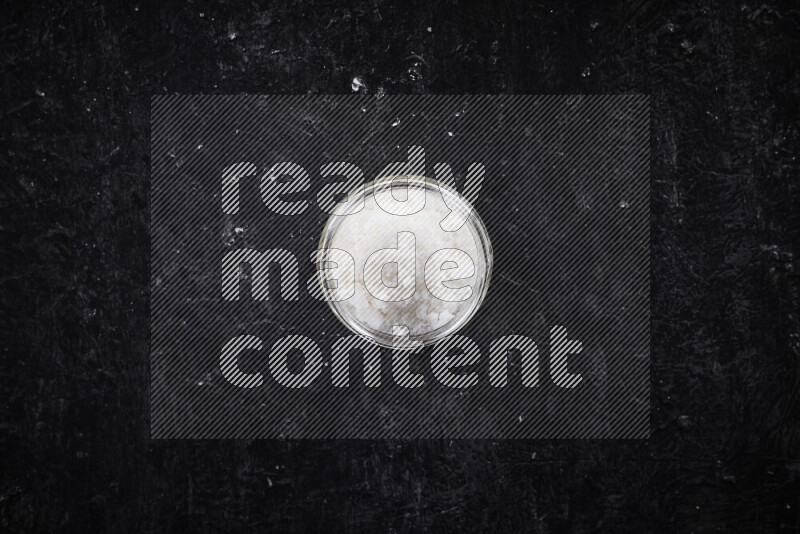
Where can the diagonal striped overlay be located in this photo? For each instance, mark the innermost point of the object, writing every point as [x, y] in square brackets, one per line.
[243, 347]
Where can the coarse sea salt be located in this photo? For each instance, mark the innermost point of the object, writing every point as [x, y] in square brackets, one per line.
[364, 232]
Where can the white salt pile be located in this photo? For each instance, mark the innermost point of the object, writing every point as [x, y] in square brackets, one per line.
[375, 307]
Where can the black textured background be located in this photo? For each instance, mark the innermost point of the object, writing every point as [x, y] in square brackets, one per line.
[725, 448]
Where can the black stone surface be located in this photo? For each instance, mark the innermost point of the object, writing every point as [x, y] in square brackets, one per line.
[724, 455]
